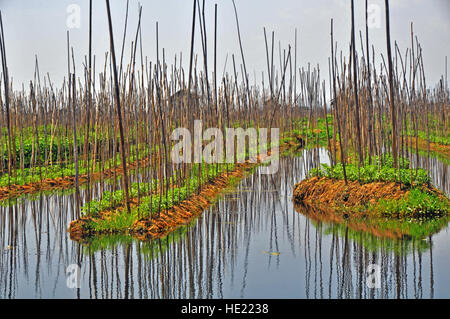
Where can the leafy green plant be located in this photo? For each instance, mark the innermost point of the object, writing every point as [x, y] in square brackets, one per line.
[417, 203]
[375, 172]
[150, 205]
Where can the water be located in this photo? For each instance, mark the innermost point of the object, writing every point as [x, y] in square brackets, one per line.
[438, 170]
[251, 244]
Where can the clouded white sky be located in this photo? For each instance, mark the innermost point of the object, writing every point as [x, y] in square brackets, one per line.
[38, 27]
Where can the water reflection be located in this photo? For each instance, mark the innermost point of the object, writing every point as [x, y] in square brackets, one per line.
[438, 170]
[251, 244]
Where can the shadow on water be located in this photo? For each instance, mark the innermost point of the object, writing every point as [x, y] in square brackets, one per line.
[252, 243]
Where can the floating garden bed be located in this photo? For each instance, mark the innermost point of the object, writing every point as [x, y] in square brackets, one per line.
[374, 199]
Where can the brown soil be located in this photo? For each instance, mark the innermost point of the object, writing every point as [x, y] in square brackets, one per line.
[335, 193]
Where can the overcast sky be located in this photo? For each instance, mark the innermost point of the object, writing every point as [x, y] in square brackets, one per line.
[38, 27]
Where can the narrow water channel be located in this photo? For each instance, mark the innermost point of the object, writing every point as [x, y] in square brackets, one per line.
[251, 244]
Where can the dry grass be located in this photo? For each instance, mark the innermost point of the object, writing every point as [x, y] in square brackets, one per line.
[335, 193]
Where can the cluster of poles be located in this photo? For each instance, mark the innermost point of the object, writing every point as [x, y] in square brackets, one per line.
[117, 115]
[381, 111]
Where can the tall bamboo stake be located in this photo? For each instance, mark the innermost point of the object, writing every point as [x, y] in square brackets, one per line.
[119, 111]
[391, 87]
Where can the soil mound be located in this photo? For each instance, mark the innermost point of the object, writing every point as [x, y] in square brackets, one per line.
[331, 192]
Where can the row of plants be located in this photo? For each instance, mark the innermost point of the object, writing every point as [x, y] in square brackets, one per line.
[420, 200]
[315, 135]
[43, 150]
[381, 170]
[438, 133]
[45, 146]
[435, 138]
[37, 174]
[111, 199]
[151, 205]
[417, 203]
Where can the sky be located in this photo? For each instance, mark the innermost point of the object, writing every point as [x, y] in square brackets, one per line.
[39, 28]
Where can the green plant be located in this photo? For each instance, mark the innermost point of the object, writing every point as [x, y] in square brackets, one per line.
[381, 170]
